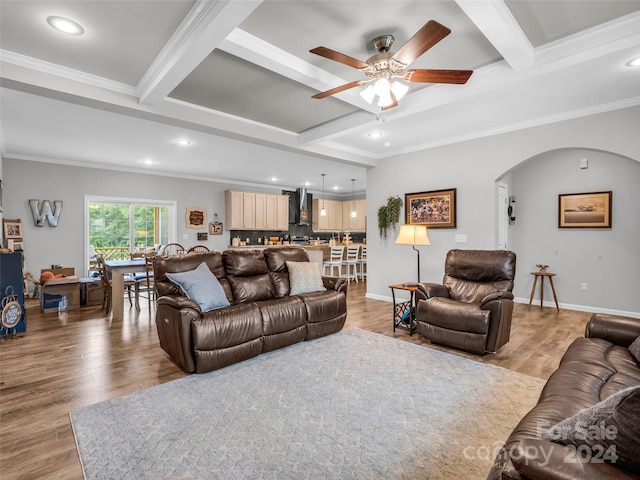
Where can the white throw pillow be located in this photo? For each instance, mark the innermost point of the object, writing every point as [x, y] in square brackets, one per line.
[304, 277]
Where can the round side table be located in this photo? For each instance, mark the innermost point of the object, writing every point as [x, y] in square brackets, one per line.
[542, 276]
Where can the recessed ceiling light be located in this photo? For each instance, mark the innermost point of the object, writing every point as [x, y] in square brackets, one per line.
[376, 134]
[336, 187]
[306, 184]
[387, 144]
[148, 161]
[183, 142]
[274, 179]
[635, 62]
[65, 25]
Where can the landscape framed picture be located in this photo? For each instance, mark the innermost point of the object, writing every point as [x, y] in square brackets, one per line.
[436, 209]
[584, 210]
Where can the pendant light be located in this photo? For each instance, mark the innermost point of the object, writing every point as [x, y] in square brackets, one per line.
[323, 212]
[353, 198]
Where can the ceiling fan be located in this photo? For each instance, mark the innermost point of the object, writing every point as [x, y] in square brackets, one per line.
[385, 70]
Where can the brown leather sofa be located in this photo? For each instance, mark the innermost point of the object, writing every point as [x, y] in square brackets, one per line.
[261, 317]
[472, 308]
[592, 369]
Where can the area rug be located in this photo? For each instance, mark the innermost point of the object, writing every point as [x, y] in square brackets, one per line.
[353, 405]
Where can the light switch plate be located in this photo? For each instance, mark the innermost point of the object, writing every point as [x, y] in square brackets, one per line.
[185, 236]
[461, 239]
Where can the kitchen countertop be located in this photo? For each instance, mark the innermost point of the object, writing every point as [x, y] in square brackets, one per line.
[324, 246]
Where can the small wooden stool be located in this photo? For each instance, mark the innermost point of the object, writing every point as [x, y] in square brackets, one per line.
[553, 288]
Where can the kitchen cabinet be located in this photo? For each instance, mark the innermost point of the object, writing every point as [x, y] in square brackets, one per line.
[256, 211]
[357, 223]
[338, 217]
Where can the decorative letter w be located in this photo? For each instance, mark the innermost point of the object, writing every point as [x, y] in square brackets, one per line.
[40, 216]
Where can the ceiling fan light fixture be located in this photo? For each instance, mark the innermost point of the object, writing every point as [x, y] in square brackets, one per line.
[399, 89]
[385, 100]
[368, 94]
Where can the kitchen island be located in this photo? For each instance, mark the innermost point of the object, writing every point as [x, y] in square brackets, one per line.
[317, 253]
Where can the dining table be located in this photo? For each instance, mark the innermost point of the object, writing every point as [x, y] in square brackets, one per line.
[118, 269]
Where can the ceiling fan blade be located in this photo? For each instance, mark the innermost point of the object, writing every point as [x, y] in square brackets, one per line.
[430, 34]
[339, 89]
[438, 76]
[339, 57]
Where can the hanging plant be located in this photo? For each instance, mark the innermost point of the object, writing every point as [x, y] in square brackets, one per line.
[389, 215]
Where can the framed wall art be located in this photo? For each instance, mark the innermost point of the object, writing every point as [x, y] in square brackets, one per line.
[196, 218]
[215, 228]
[12, 229]
[584, 210]
[436, 209]
[203, 236]
[15, 244]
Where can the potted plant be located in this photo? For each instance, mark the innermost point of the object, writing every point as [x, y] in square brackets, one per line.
[542, 267]
[389, 215]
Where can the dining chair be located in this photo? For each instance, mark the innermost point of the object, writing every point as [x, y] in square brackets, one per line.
[198, 248]
[362, 262]
[171, 249]
[107, 296]
[351, 263]
[336, 255]
[144, 286]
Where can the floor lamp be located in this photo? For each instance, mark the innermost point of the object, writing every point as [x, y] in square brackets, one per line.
[413, 235]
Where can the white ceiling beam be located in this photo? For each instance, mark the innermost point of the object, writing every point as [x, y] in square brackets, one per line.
[255, 50]
[202, 30]
[494, 19]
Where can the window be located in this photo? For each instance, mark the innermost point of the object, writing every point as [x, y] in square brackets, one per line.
[117, 227]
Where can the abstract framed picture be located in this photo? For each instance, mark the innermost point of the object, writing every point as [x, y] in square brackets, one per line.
[196, 218]
[584, 210]
[436, 209]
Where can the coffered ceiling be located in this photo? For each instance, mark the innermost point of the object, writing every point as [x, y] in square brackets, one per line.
[222, 74]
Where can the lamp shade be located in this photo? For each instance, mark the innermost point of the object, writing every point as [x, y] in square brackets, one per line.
[413, 235]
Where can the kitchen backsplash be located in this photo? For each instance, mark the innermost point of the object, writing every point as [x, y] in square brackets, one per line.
[299, 230]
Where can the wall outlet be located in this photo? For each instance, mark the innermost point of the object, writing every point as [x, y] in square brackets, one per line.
[461, 239]
[583, 287]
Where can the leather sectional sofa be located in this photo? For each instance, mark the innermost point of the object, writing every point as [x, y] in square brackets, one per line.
[592, 370]
[262, 315]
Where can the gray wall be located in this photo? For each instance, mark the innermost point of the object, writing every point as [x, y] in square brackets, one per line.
[64, 244]
[475, 166]
[601, 258]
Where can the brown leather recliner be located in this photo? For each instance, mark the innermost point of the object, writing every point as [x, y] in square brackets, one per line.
[472, 309]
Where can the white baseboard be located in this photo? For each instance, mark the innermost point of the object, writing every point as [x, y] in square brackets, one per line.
[579, 308]
[566, 306]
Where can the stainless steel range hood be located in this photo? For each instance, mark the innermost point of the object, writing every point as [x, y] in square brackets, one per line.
[299, 212]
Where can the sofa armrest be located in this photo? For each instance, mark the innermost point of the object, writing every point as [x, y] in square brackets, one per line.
[613, 328]
[542, 460]
[496, 296]
[427, 290]
[179, 302]
[334, 283]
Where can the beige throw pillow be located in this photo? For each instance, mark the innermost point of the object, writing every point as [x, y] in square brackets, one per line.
[304, 277]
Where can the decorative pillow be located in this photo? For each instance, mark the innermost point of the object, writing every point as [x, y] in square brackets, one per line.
[610, 429]
[202, 286]
[304, 277]
[634, 348]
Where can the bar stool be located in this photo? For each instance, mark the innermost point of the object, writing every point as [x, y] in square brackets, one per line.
[335, 261]
[362, 262]
[351, 263]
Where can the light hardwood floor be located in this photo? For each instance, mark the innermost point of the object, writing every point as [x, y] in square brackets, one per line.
[65, 361]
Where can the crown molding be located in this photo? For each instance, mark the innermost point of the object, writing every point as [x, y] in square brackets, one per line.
[65, 72]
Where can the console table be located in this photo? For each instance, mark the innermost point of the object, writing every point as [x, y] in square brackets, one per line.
[404, 312]
[542, 276]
